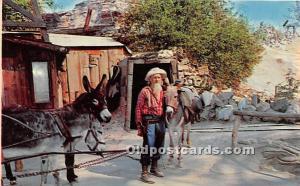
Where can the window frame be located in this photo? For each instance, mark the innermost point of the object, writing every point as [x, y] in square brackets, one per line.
[33, 82]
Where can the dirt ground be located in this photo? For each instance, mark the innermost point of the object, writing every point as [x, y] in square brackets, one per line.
[196, 169]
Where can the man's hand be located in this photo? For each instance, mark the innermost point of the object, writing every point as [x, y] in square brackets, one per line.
[140, 132]
[140, 129]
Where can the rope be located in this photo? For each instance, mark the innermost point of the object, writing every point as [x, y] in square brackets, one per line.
[25, 125]
[7, 160]
[78, 166]
[31, 140]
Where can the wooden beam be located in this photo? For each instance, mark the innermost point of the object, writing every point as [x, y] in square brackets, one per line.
[37, 13]
[87, 20]
[37, 44]
[9, 23]
[239, 114]
[36, 10]
[235, 129]
[267, 114]
[91, 30]
[20, 9]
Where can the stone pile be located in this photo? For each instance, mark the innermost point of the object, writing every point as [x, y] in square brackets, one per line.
[220, 107]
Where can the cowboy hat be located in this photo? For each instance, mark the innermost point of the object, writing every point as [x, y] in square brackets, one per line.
[156, 70]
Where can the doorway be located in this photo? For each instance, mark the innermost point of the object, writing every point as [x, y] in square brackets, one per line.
[139, 73]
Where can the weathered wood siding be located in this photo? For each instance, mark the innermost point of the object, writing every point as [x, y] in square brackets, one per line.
[17, 76]
[92, 62]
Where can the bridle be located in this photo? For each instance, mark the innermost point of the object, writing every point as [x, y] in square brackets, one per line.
[175, 109]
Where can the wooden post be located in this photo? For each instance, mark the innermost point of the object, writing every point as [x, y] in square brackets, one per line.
[267, 114]
[87, 20]
[37, 13]
[235, 130]
[44, 168]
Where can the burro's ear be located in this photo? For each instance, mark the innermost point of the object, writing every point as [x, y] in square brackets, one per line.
[86, 84]
[98, 88]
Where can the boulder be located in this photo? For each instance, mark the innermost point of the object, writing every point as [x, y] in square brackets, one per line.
[250, 108]
[293, 108]
[165, 54]
[184, 61]
[242, 104]
[224, 113]
[207, 97]
[233, 104]
[208, 113]
[183, 67]
[262, 107]
[254, 100]
[217, 101]
[225, 97]
[280, 105]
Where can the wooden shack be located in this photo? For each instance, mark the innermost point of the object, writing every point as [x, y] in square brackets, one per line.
[29, 71]
[29, 62]
[88, 55]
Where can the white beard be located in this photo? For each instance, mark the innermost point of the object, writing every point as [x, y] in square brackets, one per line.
[157, 88]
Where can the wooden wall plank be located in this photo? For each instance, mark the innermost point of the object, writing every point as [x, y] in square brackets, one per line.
[64, 83]
[103, 67]
[94, 70]
[83, 69]
[73, 74]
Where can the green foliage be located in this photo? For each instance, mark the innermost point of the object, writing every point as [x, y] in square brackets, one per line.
[207, 30]
[10, 14]
[290, 88]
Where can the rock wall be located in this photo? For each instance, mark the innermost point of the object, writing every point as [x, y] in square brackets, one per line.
[104, 13]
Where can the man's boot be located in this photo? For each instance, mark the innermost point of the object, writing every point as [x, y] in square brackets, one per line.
[145, 176]
[154, 169]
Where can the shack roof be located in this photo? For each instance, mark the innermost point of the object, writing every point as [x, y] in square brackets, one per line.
[67, 40]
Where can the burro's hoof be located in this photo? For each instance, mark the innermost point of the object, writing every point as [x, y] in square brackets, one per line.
[72, 179]
[13, 182]
[189, 144]
[179, 164]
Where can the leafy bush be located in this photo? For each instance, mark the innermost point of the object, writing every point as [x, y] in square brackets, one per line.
[207, 30]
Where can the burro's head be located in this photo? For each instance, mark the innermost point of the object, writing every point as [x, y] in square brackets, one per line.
[93, 101]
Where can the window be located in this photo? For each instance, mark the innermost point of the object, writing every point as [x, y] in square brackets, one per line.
[40, 82]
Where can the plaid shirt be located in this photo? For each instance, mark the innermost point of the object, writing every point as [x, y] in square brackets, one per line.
[142, 107]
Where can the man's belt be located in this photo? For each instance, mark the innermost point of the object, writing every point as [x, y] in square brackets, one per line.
[149, 118]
